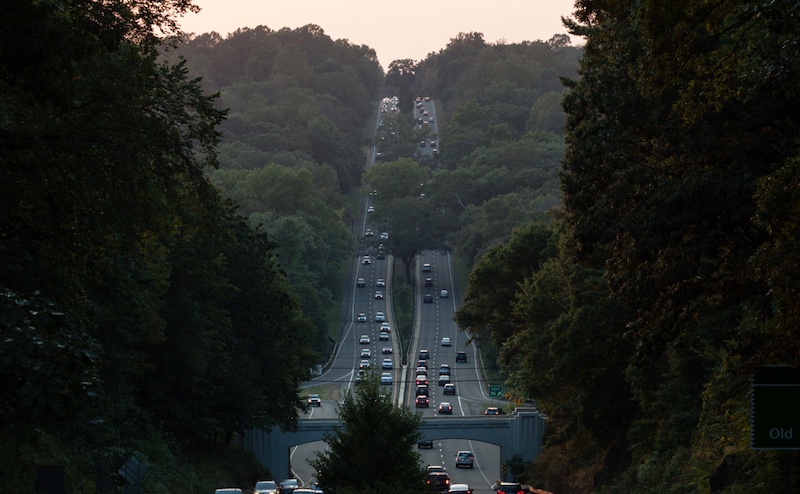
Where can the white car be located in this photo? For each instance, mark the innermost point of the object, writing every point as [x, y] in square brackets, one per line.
[380, 317]
[444, 294]
[387, 363]
[364, 365]
[386, 378]
[387, 349]
[369, 233]
[364, 340]
[384, 336]
[445, 341]
[362, 317]
[380, 282]
[384, 235]
[370, 209]
[366, 260]
[365, 353]
[378, 295]
[385, 327]
[265, 487]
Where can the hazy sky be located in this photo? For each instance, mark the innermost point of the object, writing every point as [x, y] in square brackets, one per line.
[396, 30]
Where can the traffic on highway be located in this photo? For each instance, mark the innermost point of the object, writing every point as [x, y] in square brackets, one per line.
[436, 372]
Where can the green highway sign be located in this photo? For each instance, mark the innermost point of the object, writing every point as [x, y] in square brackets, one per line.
[495, 391]
[775, 408]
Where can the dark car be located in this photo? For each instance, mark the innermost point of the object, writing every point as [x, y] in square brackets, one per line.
[423, 402]
[425, 443]
[424, 355]
[429, 281]
[428, 298]
[422, 391]
[445, 408]
[494, 411]
[461, 357]
[449, 389]
[288, 486]
[438, 481]
[510, 488]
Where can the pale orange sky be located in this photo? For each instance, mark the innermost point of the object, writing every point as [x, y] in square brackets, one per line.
[395, 30]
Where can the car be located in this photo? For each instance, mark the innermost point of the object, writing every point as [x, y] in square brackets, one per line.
[362, 317]
[424, 355]
[445, 341]
[380, 282]
[369, 233]
[435, 468]
[364, 339]
[426, 268]
[384, 336]
[386, 378]
[421, 380]
[378, 295]
[365, 353]
[428, 298]
[381, 255]
[430, 119]
[444, 380]
[428, 281]
[422, 363]
[422, 143]
[465, 459]
[363, 365]
[444, 294]
[461, 357]
[366, 260]
[422, 371]
[288, 486]
[228, 490]
[427, 98]
[449, 389]
[445, 408]
[385, 327]
[425, 443]
[361, 282]
[265, 487]
[459, 489]
[384, 235]
[510, 488]
[494, 411]
[386, 349]
[422, 391]
[438, 481]
[444, 370]
[387, 364]
[371, 209]
[361, 376]
[380, 317]
[381, 247]
[314, 400]
[425, 112]
[422, 402]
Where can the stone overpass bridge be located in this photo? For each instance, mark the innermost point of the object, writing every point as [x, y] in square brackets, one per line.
[519, 433]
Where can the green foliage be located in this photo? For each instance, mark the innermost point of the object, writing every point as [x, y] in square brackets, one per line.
[374, 448]
[679, 149]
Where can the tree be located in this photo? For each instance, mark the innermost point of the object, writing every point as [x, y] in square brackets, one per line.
[374, 449]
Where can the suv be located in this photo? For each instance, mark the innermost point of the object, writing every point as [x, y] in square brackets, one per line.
[461, 357]
[510, 488]
[439, 481]
[460, 489]
[465, 459]
[314, 400]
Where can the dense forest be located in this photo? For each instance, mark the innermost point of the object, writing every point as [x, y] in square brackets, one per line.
[179, 220]
[638, 317]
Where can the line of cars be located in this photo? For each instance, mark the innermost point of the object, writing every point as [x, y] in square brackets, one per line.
[286, 486]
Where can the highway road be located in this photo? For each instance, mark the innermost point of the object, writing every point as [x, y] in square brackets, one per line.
[434, 321]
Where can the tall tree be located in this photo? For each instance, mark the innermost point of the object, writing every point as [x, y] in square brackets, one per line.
[373, 429]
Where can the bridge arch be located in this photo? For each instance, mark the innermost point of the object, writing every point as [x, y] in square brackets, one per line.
[519, 433]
